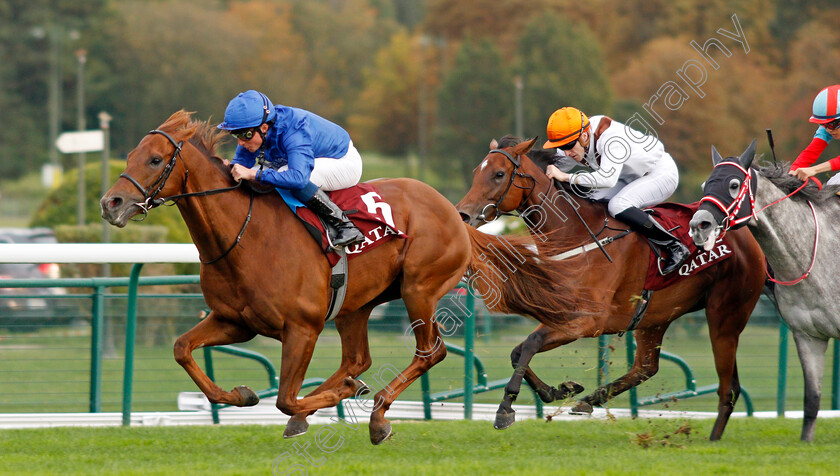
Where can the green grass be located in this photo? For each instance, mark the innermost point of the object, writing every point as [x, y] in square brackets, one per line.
[624, 446]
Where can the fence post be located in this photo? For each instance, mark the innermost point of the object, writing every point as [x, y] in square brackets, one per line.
[783, 358]
[603, 359]
[211, 374]
[634, 396]
[96, 325]
[835, 377]
[469, 348]
[130, 331]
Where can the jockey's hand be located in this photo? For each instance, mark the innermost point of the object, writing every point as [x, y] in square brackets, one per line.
[240, 172]
[226, 162]
[803, 173]
[555, 173]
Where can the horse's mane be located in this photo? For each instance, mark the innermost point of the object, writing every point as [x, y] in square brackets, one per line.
[202, 134]
[778, 175]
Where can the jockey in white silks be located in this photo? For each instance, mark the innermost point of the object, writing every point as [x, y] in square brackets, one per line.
[628, 169]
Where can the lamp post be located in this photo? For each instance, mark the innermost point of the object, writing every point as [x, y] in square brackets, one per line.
[81, 56]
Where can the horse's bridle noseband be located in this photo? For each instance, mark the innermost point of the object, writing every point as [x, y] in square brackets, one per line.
[514, 173]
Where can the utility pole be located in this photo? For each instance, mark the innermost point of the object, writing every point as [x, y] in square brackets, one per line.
[517, 105]
[81, 56]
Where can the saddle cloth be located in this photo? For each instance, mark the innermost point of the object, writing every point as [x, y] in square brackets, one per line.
[677, 215]
[365, 208]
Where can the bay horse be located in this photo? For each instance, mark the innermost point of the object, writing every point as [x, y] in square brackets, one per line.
[267, 275]
[509, 180]
[785, 216]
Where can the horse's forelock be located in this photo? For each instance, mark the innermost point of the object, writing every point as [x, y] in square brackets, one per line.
[542, 157]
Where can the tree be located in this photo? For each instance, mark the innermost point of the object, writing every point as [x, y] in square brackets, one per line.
[562, 65]
[475, 104]
[386, 115]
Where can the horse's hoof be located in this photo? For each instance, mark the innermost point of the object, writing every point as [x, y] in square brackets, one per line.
[569, 389]
[246, 396]
[380, 434]
[504, 420]
[581, 408]
[295, 428]
[360, 388]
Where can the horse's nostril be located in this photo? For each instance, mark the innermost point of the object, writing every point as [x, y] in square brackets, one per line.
[704, 225]
[464, 217]
[115, 202]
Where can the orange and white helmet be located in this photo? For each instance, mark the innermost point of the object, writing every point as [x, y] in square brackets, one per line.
[565, 126]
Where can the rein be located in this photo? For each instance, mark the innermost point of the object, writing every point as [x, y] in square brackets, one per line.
[151, 201]
[732, 212]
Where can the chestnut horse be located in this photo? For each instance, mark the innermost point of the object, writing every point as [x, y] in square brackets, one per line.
[507, 180]
[271, 278]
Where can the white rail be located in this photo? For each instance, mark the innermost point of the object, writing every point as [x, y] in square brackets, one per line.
[98, 253]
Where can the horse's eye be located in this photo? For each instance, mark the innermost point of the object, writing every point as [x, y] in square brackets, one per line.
[500, 174]
[734, 187]
[156, 161]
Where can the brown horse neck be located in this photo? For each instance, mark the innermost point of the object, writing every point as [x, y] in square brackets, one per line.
[215, 221]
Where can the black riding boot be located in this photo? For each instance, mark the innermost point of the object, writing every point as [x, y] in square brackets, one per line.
[346, 232]
[640, 221]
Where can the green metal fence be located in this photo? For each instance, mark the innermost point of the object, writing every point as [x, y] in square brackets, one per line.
[487, 341]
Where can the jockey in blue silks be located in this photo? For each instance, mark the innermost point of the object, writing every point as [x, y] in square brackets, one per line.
[298, 151]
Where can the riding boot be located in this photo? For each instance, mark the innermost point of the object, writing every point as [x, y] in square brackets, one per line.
[642, 222]
[346, 232]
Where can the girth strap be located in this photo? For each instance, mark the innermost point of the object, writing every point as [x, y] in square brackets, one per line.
[338, 285]
[641, 307]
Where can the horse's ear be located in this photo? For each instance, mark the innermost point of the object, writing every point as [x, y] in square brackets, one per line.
[494, 144]
[525, 147]
[747, 157]
[716, 158]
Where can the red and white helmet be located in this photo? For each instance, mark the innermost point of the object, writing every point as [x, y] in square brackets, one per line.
[826, 105]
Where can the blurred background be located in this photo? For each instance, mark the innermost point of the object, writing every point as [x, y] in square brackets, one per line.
[422, 85]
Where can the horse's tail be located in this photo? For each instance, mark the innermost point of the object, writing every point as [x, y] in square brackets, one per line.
[513, 277]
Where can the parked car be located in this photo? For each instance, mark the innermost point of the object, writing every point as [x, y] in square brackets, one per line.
[28, 313]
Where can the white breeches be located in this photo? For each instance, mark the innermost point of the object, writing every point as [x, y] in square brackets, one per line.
[335, 174]
[651, 189]
[835, 180]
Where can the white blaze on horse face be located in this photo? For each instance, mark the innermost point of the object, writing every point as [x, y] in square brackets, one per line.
[483, 165]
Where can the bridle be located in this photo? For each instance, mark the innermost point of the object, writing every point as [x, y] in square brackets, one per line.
[151, 200]
[513, 174]
[731, 215]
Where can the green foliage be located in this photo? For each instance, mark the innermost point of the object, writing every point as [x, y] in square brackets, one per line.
[60, 207]
[563, 65]
[475, 104]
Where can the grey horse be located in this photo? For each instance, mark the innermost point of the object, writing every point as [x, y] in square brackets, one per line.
[787, 231]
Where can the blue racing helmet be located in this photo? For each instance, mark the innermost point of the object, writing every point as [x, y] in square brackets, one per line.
[248, 109]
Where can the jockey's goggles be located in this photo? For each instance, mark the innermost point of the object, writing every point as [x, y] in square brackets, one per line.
[568, 146]
[832, 125]
[244, 134]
